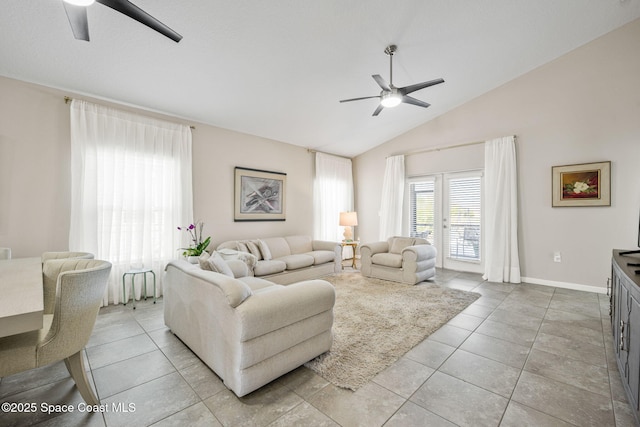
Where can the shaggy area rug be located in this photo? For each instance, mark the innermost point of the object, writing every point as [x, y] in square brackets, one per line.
[376, 322]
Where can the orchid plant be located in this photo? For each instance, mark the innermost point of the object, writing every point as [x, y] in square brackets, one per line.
[197, 244]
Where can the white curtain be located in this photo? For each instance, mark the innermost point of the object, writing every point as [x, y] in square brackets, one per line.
[392, 198]
[332, 194]
[502, 263]
[130, 190]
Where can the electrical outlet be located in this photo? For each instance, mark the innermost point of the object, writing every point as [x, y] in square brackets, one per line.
[557, 257]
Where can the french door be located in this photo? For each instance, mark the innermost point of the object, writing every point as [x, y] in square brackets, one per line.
[446, 209]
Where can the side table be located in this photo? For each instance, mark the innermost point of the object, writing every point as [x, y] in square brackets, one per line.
[133, 273]
[354, 246]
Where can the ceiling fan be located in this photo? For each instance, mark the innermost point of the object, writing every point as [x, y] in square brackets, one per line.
[391, 96]
[77, 14]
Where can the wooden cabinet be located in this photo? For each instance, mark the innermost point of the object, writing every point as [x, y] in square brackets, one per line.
[625, 323]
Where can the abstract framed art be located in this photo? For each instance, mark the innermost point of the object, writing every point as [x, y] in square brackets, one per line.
[259, 195]
[586, 184]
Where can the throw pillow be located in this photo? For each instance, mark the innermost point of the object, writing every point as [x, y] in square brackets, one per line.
[242, 247]
[264, 249]
[203, 261]
[219, 265]
[253, 248]
[248, 259]
[399, 243]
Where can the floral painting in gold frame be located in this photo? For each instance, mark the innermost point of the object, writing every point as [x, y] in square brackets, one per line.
[587, 184]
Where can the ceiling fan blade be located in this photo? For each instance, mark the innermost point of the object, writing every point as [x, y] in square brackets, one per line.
[132, 11]
[358, 99]
[380, 108]
[381, 82]
[78, 19]
[412, 88]
[410, 100]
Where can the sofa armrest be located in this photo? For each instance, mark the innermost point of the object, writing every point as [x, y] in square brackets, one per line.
[324, 245]
[281, 306]
[418, 253]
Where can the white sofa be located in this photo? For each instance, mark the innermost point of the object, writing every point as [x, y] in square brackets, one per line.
[290, 259]
[248, 330]
[400, 259]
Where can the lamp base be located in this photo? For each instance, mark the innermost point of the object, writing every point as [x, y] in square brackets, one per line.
[348, 234]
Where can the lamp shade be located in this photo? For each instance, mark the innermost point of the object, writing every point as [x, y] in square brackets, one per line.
[348, 219]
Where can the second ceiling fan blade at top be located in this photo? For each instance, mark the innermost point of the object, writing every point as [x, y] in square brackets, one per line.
[132, 11]
[77, 16]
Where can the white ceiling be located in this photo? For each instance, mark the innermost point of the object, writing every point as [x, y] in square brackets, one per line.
[277, 68]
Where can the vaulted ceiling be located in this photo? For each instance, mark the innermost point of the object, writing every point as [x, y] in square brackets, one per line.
[278, 68]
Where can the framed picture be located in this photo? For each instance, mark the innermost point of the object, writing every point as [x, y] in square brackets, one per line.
[259, 195]
[587, 184]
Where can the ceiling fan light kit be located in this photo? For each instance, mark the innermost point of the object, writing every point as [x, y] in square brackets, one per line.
[80, 2]
[392, 96]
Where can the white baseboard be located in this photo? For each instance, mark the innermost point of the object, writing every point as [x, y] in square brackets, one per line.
[565, 285]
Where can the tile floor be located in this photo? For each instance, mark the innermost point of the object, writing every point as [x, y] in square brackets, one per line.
[521, 355]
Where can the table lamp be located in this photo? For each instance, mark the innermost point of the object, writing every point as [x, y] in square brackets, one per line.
[348, 220]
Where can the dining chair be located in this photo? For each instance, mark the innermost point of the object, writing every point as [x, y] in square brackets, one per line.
[5, 253]
[65, 254]
[80, 286]
[49, 283]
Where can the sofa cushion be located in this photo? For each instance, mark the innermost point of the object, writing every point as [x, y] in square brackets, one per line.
[321, 257]
[399, 243]
[278, 247]
[387, 259]
[299, 244]
[264, 268]
[294, 262]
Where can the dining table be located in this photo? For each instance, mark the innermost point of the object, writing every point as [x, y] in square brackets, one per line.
[21, 296]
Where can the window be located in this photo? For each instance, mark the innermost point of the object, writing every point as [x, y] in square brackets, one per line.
[422, 208]
[464, 218]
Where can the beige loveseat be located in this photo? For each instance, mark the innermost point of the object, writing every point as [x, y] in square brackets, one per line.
[400, 259]
[248, 330]
[289, 259]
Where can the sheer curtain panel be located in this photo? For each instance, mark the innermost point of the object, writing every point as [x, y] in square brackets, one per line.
[392, 198]
[502, 263]
[332, 194]
[130, 189]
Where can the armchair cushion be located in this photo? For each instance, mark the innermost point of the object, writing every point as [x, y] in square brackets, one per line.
[399, 243]
[387, 259]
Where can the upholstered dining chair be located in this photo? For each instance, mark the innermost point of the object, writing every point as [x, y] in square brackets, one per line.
[5, 253]
[80, 286]
[49, 283]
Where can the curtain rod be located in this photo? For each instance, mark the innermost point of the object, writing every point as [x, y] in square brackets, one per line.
[312, 151]
[446, 147]
[68, 99]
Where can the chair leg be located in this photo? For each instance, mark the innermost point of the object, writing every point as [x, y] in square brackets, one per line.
[75, 366]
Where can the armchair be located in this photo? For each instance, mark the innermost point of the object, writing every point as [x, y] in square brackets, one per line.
[400, 259]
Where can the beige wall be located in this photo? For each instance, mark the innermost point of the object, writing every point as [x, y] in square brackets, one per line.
[582, 107]
[35, 173]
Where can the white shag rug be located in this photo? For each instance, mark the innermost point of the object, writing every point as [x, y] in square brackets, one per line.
[377, 321]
